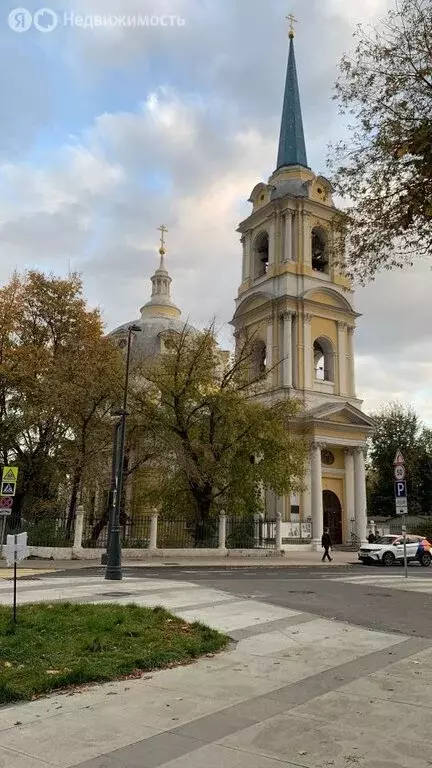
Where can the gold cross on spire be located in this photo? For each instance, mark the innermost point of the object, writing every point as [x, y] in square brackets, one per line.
[292, 20]
[162, 229]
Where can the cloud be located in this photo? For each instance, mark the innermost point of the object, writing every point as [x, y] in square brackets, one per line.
[177, 125]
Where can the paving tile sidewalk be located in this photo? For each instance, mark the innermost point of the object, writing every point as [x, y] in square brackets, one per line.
[295, 690]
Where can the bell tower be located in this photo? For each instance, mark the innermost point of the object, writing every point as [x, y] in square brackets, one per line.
[297, 306]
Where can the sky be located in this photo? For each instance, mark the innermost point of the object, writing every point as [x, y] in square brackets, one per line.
[109, 130]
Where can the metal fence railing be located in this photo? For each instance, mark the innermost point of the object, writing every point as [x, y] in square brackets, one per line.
[134, 532]
[187, 534]
[43, 530]
[250, 533]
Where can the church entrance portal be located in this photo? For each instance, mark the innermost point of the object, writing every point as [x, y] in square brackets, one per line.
[333, 516]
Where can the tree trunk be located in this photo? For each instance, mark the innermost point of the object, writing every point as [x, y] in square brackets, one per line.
[100, 525]
[203, 500]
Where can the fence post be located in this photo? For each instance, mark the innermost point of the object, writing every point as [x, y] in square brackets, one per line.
[153, 530]
[278, 542]
[222, 531]
[79, 527]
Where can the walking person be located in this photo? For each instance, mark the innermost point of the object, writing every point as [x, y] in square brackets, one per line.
[326, 543]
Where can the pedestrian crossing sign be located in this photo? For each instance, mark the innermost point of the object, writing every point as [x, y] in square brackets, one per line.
[8, 489]
[10, 474]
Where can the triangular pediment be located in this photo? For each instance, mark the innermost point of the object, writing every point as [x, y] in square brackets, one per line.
[340, 413]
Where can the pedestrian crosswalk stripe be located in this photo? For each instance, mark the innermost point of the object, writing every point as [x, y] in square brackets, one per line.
[413, 584]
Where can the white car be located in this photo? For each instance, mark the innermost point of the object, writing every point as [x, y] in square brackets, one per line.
[389, 550]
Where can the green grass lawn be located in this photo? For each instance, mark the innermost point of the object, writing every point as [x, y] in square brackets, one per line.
[55, 646]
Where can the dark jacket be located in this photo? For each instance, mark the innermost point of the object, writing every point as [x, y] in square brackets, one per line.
[326, 540]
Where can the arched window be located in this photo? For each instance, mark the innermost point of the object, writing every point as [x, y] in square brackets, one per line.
[323, 360]
[259, 359]
[261, 254]
[320, 259]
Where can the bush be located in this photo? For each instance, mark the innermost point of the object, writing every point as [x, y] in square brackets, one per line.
[130, 543]
[242, 534]
[174, 536]
[45, 532]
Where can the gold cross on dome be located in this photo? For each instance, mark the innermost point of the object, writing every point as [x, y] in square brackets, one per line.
[292, 20]
[162, 229]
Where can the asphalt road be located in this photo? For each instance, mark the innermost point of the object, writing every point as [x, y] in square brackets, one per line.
[313, 590]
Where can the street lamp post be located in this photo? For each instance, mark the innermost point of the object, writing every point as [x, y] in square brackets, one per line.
[110, 508]
[113, 571]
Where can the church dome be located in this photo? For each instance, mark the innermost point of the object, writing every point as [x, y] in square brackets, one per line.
[159, 318]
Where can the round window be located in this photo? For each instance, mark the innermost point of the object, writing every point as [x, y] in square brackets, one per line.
[122, 343]
[327, 457]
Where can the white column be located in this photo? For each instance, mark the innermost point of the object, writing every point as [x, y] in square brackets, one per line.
[306, 506]
[288, 237]
[307, 245]
[349, 494]
[295, 350]
[278, 255]
[342, 354]
[278, 535]
[247, 255]
[360, 494]
[222, 531]
[307, 351]
[350, 360]
[269, 345]
[287, 364]
[243, 242]
[316, 492]
[153, 531]
[272, 241]
[79, 526]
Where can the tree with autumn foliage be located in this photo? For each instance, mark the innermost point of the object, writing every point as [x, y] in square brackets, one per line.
[59, 379]
[198, 404]
[383, 169]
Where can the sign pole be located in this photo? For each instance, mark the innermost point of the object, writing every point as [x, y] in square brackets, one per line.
[401, 500]
[15, 583]
[16, 550]
[404, 547]
[2, 532]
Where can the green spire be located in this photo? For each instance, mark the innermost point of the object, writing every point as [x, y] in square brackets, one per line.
[292, 148]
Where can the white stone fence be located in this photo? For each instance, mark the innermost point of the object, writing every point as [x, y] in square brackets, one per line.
[263, 539]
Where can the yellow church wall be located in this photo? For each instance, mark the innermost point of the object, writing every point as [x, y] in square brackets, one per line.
[341, 280]
[339, 462]
[323, 327]
[335, 484]
[293, 172]
[163, 311]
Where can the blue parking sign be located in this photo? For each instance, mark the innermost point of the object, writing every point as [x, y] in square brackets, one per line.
[400, 489]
